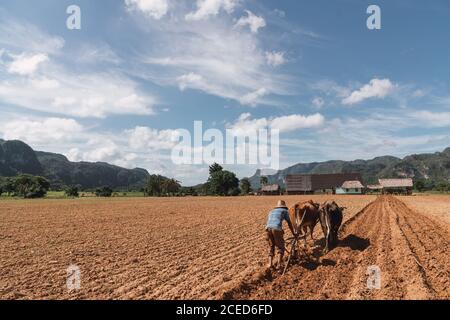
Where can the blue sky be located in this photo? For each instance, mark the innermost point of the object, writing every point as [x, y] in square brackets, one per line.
[138, 70]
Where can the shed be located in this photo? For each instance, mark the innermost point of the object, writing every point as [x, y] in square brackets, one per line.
[351, 187]
[271, 190]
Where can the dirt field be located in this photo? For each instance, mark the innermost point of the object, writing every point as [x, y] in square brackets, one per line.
[214, 248]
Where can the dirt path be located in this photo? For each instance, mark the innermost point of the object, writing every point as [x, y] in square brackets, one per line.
[410, 249]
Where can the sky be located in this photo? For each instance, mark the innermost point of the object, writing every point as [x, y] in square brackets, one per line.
[139, 71]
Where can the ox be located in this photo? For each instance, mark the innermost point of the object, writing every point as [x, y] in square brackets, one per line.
[330, 215]
[305, 215]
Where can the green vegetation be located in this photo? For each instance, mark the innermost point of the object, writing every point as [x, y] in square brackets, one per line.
[263, 181]
[246, 186]
[158, 186]
[222, 182]
[72, 192]
[25, 186]
[104, 192]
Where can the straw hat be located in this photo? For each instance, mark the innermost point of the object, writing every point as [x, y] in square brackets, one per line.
[281, 204]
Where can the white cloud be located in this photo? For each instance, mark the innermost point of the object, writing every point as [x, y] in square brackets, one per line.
[318, 102]
[275, 59]
[84, 95]
[153, 8]
[432, 119]
[377, 88]
[251, 20]
[144, 138]
[296, 122]
[207, 8]
[245, 124]
[214, 58]
[42, 131]
[253, 98]
[44, 83]
[26, 64]
[190, 80]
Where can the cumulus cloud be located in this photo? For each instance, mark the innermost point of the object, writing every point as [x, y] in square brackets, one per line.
[26, 64]
[42, 131]
[81, 95]
[143, 138]
[252, 21]
[208, 8]
[153, 8]
[377, 88]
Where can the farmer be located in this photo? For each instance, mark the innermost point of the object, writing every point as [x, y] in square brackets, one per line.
[275, 233]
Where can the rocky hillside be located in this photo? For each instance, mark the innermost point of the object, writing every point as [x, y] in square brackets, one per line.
[17, 157]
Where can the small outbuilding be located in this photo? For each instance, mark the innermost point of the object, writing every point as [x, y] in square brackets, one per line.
[397, 186]
[375, 188]
[271, 190]
[351, 187]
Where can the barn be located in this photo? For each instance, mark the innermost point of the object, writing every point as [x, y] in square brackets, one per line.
[271, 190]
[318, 183]
[351, 187]
[397, 186]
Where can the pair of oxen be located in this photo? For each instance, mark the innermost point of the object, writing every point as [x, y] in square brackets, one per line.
[306, 215]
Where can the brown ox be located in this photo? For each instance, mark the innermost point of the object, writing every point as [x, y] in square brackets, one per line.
[304, 215]
[331, 216]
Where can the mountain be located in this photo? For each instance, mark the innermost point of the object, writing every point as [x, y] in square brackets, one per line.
[432, 168]
[17, 157]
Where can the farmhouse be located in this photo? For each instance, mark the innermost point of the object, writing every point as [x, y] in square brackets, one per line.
[318, 183]
[397, 186]
[351, 187]
[271, 190]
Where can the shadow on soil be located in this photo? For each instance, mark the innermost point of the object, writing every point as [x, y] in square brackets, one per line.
[355, 243]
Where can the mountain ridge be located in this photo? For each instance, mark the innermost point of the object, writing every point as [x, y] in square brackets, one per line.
[16, 157]
[432, 168]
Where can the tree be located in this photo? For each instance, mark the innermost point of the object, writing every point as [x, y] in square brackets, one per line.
[419, 185]
[222, 183]
[31, 187]
[246, 186]
[443, 187]
[264, 181]
[72, 191]
[215, 167]
[154, 186]
[8, 185]
[171, 186]
[104, 192]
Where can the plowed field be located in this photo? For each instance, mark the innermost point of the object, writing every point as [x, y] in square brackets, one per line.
[214, 248]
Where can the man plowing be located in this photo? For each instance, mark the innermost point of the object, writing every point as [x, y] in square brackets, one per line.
[275, 233]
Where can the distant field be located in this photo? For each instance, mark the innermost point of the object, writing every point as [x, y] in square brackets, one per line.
[199, 247]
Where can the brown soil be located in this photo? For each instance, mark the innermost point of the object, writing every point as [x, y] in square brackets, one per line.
[213, 248]
[410, 248]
